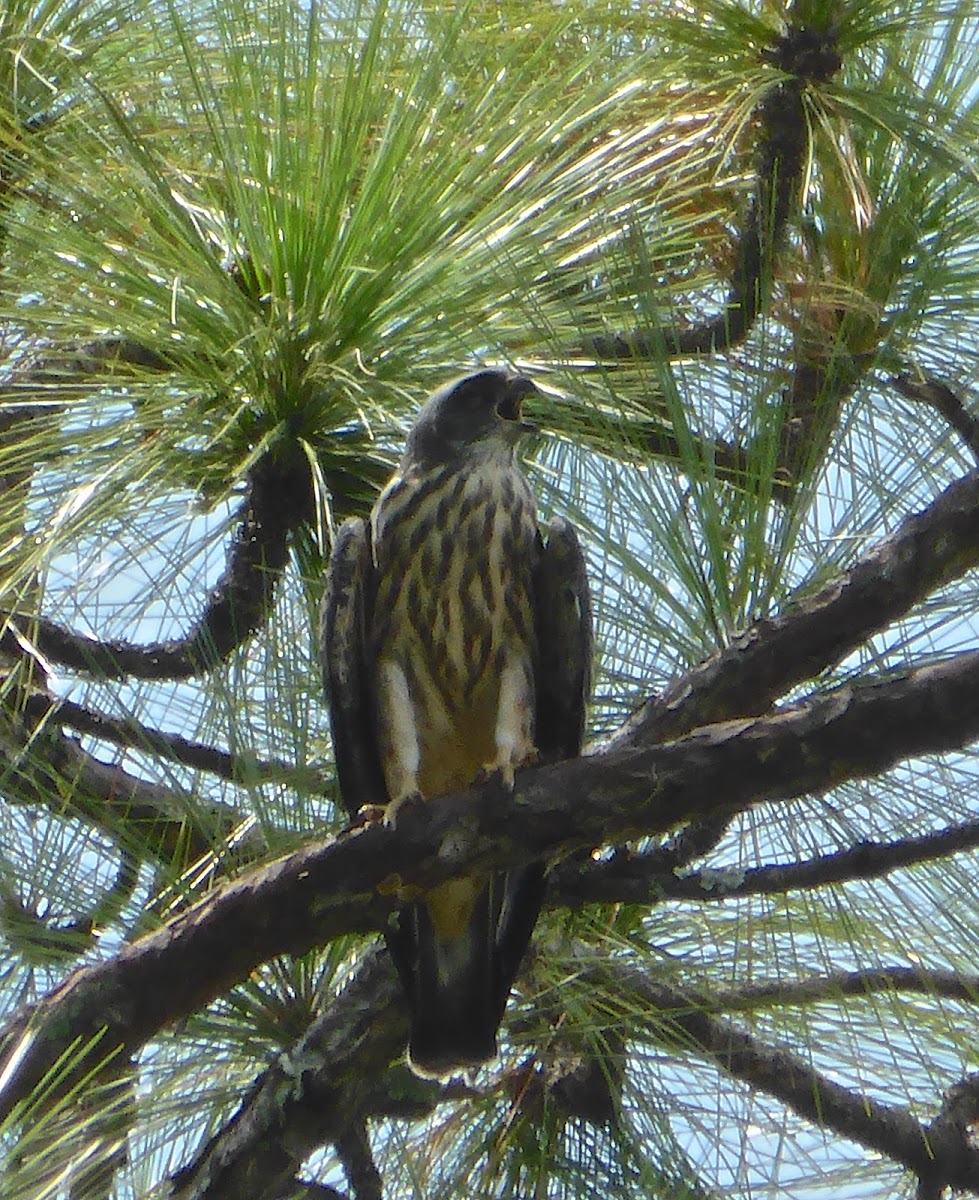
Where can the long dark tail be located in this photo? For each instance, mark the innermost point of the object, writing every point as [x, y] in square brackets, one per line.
[458, 987]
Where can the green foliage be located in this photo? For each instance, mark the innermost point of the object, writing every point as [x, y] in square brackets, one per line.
[247, 229]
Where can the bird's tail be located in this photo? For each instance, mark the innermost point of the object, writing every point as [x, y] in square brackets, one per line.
[458, 985]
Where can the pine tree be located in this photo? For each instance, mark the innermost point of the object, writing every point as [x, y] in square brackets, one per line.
[734, 244]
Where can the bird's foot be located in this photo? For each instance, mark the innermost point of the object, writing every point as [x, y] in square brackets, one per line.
[369, 814]
[402, 805]
[495, 775]
[502, 774]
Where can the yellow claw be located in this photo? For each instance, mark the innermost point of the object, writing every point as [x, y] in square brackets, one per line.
[370, 814]
[402, 804]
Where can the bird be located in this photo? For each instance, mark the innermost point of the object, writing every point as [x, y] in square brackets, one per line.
[455, 646]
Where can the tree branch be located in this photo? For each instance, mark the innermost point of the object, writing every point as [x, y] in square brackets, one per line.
[951, 1132]
[345, 885]
[354, 1151]
[937, 395]
[891, 1130]
[308, 1096]
[277, 500]
[44, 767]
[928, 550]
[950, 985]
[40, 939]
[628, 878]
[132, 734]
[806, 55]
[729, 461]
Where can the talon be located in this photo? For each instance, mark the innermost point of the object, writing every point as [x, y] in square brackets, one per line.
[369, 814]
[498, 776]
[403, 804]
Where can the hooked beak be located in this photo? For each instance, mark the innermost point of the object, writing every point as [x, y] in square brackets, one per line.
[509, 408]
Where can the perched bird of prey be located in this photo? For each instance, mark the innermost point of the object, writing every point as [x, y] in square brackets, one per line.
[455, 642]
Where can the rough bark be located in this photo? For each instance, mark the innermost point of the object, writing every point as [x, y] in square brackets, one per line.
[347, 884]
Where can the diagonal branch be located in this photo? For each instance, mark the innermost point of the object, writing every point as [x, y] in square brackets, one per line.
[927, 551]
[337, 1071]
[937, 395]
[129, 733]
[49, 769]
[933, 1152]
[728, 460]
[346, 884]
[278, 499]
[307, 1097]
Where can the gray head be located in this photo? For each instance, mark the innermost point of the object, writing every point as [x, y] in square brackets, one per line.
[477, 413]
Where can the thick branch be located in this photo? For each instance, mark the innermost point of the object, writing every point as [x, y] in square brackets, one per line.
[952, 1132]
[339, 886]
[929, 550]
[307, 1097]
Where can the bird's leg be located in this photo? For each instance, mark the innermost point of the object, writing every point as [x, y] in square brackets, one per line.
[504, 773]
[399, 740]
[514, 727]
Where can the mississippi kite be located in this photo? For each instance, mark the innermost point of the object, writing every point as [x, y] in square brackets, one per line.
[456, 642]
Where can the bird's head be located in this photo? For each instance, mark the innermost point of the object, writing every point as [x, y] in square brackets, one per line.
[478, 414]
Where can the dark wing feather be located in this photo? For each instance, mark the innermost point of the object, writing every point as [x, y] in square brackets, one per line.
[348, 674]
[344, 621]
[563, 624]
[565, 644]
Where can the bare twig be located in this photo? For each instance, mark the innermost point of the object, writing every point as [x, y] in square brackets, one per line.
[893, 1131]
[37, 938]
[132, 734]
[651, 876]
[148, 819]
[939, 396]
[950, 985]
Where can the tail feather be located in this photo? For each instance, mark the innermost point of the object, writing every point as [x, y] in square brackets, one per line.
[458, 987]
